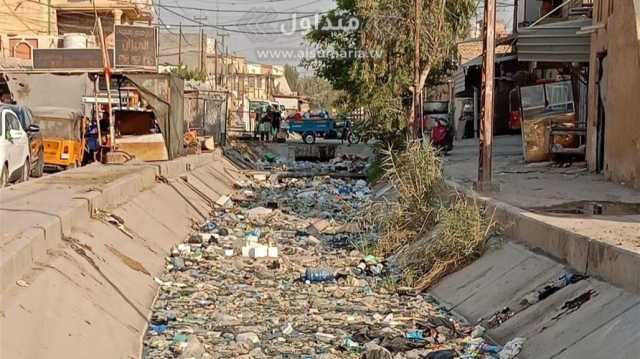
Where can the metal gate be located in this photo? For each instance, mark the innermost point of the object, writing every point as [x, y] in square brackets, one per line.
[206, 113]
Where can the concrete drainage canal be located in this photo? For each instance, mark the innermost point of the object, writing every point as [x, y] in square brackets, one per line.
[282, 274]
[216, 264]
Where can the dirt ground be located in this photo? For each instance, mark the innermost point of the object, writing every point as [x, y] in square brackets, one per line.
[532, 186]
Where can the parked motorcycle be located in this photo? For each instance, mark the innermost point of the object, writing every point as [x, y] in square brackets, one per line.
[442, 135]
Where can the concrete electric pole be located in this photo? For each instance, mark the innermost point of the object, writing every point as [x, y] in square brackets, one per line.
[486, 126]
[417, 91]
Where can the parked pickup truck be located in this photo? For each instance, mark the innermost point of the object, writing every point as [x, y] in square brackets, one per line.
[312, 126]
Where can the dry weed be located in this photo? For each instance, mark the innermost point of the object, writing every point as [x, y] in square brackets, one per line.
[430, 234]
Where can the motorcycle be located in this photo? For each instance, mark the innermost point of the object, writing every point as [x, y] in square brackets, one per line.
[438, 131]
[442, 135]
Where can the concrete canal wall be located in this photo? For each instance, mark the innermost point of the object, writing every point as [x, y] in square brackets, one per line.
[76, 286]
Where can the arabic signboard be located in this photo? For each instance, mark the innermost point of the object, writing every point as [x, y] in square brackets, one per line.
[59, 59]
[135, 46]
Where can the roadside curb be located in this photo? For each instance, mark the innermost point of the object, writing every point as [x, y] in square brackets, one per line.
[31, 245]
[586, 255]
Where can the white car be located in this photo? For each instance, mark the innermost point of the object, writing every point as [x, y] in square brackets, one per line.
[14, 150]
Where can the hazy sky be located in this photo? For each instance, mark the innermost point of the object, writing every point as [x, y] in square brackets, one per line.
[256, 47]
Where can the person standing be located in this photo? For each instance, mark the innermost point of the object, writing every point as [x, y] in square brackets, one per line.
[275, 124]
[93, 143]
[265, 126]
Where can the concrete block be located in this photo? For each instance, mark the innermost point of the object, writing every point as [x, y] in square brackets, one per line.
[16, 257]
[52, 229]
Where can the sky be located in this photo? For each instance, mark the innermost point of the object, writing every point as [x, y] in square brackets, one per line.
[238, 18]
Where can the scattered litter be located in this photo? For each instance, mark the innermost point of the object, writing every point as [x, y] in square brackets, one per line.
[512, 348]
[114, 220]
[224, 202]
[279, 272]
[317, 275]
[576, 303]
[500, 317]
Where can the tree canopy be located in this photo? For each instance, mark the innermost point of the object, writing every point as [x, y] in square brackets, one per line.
[380, 78]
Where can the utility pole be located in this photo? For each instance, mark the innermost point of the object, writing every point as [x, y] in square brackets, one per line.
[49, 17]
[486, 126]
[515, 17]
[180, 46]
[223, 35]
[202, 46]
[215, 63]
[417, 91]
[201, 49]
[107, 77]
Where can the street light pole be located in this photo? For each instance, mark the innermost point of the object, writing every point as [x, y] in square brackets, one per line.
[488, 79]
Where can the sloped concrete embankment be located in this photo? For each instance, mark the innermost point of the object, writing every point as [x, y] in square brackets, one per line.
[595, 318]
[586, 320]
[78, 286]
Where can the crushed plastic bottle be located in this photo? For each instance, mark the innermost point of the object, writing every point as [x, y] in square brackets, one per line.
[318, 275]
[488, 348]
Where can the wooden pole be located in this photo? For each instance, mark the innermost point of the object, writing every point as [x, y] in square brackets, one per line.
[96, 87]
[417, 91]
[215, 63]
[201, 66]
[107, 77]
[486, 126]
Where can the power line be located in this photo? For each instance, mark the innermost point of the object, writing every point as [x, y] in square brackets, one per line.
[251, 11]
[222, 28]
[254, 23]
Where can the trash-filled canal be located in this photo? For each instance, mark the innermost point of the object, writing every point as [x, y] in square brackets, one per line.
[279, 271]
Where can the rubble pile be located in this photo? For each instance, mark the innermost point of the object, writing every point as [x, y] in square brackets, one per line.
[278, 272]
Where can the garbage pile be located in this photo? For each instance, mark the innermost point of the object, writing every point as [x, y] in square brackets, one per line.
[346, 163]
[278, 271]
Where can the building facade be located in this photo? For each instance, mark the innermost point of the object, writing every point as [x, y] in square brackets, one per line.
[27, 25]
[614, 91]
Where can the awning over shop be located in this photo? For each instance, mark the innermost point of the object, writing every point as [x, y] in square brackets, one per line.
[459, 77]
[35, 90]
[555, 42]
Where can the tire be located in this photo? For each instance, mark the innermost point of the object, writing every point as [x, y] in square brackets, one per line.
[26, 171]
[4, 177]
[353, 138]
[309, 138]
[38, 170]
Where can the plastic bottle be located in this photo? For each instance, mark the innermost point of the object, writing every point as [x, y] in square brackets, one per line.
[488, 348]
[317, 275]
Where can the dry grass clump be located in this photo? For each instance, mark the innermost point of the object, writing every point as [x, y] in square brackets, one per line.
[462, 238]
[428, 232]
[416, 175]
